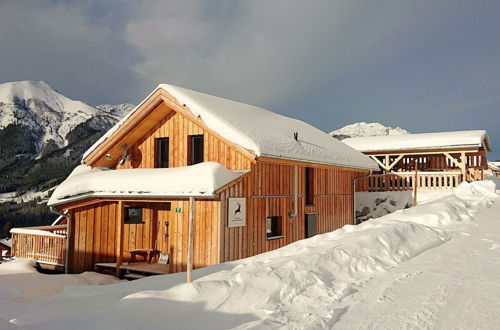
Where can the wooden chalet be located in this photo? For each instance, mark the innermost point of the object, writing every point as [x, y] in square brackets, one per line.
[442, 159]
[5, 247]
[494, 169]
[199, 180]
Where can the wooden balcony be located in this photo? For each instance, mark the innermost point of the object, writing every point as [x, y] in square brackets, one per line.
[45, 244]
[403, 181]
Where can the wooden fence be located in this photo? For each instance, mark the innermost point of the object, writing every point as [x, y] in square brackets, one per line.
[403, 181]
[45, 244]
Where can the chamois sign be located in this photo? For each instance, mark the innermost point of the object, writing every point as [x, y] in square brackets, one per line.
[236, 216]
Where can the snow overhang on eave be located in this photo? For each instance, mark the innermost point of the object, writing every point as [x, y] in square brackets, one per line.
[449, 148]
[312, 162]
[125, 197]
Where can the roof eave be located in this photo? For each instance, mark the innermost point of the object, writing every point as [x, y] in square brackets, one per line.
[128, 196]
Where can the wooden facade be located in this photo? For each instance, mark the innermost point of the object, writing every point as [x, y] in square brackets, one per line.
[268, 189]
[272, 187]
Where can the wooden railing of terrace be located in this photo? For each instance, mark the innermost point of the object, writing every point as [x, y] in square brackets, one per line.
[402, 181]
[45, 244]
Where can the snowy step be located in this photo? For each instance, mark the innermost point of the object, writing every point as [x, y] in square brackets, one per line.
[133, 276]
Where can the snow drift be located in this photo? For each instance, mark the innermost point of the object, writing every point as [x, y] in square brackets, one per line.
[292, 287]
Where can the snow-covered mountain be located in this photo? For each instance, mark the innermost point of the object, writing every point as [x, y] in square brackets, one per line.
[366, 129]
[117, 110]
[47, 114]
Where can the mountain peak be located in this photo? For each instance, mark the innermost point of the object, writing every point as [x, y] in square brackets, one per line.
[46, 113]
[366, 129]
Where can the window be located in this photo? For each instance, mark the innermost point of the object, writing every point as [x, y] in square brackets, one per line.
[274, 228]
[309, 186]
[162, 152]
[133, 215]
[195, 149]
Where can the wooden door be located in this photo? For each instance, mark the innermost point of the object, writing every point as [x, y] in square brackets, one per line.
[311, 225]
[162, 221]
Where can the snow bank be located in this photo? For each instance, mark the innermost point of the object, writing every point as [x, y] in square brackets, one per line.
[202, 179]
[460, 206]
[21, 285]
[371, 205]
[377, 204]
[292, 287]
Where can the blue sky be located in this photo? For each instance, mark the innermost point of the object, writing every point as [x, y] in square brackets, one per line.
[422, 65]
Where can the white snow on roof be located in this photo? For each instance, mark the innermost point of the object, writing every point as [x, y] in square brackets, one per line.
[265, 133]
[441, 140]
[200, 180]
[6, 241]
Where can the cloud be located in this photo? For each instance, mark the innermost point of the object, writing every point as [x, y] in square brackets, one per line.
[258, 51]
[422, 65]
[57, 42]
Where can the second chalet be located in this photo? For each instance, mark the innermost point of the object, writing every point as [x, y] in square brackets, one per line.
[252, 181]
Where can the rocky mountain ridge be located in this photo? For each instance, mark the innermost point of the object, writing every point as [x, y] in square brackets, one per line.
[366, 129]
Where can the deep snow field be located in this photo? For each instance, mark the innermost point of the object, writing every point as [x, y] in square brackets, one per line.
[434, 266]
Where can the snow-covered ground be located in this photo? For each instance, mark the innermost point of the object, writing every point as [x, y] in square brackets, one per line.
[26, 197]
[432, 266]
[377, 204]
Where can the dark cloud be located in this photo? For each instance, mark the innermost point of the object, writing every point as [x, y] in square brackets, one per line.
[56, 42]
[422, 65]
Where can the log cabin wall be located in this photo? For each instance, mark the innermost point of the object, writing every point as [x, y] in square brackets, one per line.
[177, 128]
[269, 192]
[93, 237]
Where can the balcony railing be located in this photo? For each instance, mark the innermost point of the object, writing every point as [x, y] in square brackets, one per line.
[402, 181]
[46, 244]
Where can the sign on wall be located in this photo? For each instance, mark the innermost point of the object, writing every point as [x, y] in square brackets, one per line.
[236, 210]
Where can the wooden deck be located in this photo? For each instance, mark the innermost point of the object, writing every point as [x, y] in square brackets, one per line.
[142, 268]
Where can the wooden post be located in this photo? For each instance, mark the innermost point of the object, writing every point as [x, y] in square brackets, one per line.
[119, 234]
[190, 241]
[415, 184]
[464, 166]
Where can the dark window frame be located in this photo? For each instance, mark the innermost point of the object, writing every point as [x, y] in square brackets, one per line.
[309, 186]
[159, 162]
[128, 219]
[276, 224]
[196, 155]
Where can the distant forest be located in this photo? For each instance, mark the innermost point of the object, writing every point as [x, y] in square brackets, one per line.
[20, 171]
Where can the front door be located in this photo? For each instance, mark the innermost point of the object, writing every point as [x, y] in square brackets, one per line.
[161, 229]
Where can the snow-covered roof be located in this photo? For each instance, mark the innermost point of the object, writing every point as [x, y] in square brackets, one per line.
[494, 166]
[200, 180]
[6, 242]
[440, 140]
[263, 132]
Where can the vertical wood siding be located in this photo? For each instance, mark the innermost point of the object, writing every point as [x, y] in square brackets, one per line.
[177, 128]
[268, 189]
[94, 235]
[269, 192]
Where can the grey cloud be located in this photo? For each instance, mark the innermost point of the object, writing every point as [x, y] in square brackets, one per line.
[422, 65]
[55, 42]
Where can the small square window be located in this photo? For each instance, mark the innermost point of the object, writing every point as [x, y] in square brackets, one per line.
[133, 215]
[274, 228]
